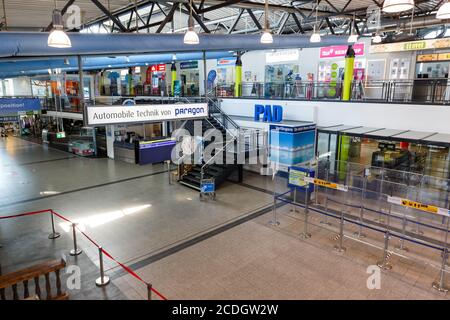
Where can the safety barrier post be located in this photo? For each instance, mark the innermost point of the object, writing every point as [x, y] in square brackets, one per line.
[384, 264]
[305, 234]
[168, 171]
[294, 202]
[54, 234]
[380, 195]
[102, 280]
[340, 247]
[401, 246]
[359, 233]
[75, 251]
[440, 286]
[149, 291]
[274, 221]
[325, 221]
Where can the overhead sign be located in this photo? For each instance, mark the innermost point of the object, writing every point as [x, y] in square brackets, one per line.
[419, 206]
[158, 68]
[189, 65]
[433, 57]
[11, 106]
[101, 115]
[326, 184]
[282, 56]
[341, 51]
[226, 62]
[411, 45]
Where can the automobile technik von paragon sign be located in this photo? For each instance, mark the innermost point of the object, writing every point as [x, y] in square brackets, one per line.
[97, 115]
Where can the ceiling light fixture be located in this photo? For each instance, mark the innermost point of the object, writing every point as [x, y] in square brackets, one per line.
[57, 37]
[191, 37]
[444, 11]
[315, 37]
[353, 36]
[395, 6]
[266, 37]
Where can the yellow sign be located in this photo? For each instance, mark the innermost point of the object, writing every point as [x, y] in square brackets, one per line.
[326, 184]
[418, 206]
[433, 57]
[411, 45]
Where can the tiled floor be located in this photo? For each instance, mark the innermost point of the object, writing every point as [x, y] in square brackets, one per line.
[134, 213]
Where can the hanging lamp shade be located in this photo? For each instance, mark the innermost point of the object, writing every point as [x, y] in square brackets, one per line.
[352, 38]
[315, 38]
[444, 11]
[191, 37]
[266, 37]
[394, 6]
[57, 37]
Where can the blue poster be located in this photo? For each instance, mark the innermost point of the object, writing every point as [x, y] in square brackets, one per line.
[290, 145]
[11, 106]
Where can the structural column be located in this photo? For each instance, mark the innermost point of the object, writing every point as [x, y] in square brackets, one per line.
[173, 73]
[348, 73]
[238, 76]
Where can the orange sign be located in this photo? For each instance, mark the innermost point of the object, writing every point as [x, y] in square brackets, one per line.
[433, 57]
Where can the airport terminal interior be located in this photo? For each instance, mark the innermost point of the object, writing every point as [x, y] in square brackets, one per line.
[224, 150]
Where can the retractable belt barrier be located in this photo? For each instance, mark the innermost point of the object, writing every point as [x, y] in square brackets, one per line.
[127, 269]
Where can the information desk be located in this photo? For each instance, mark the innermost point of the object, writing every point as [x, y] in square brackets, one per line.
[144, 152]
[154, 151]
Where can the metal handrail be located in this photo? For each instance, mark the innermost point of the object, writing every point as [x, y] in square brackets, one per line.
[202, 170]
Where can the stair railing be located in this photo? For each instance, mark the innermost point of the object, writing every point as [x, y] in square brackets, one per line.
[220, 152]
[224, 119]
[33, 273]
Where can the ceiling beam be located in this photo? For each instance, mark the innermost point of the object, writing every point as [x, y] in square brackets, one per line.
[110, 15]
[255, 21]
[167, 19]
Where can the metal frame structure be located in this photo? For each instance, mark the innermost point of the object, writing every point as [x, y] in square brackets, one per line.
[245, 16]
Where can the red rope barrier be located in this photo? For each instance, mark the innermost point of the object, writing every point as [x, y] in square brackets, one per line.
[127, 269]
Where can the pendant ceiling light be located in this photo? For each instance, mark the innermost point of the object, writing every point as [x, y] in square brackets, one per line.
[266, 37]
[315, 37]
[444, 11]
[57, 37]
[353, 36]
[395, 6]
[191, 37]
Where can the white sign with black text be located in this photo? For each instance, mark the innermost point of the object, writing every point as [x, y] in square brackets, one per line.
[101, 115]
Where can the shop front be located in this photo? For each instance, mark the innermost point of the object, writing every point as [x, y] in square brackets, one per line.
[282, 72]
[155, 83]
[20, 116]
[424, 153]
[190, 78]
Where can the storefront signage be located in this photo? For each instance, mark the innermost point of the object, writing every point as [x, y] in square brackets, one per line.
[270, 113]
[282, 56]
[226, 62]
[433, 57]
[326, 184]
[158, 68]
[411, 45]
[13, 106]
[98, 115]
[9, 119]
[189, 65]
[297, 177]
[340, 51]
[419, 206]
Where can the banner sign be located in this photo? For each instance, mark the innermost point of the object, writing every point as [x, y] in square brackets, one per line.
[340, 51]
[411, 45]
[189, 65]
[226, 62]
[282, 56]
[98, 115]
[433, 57]
[419, 206]
[11, 106]
[9, 119]
[326, 184]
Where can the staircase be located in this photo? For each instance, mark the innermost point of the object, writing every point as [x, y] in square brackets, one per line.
[192, 175]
